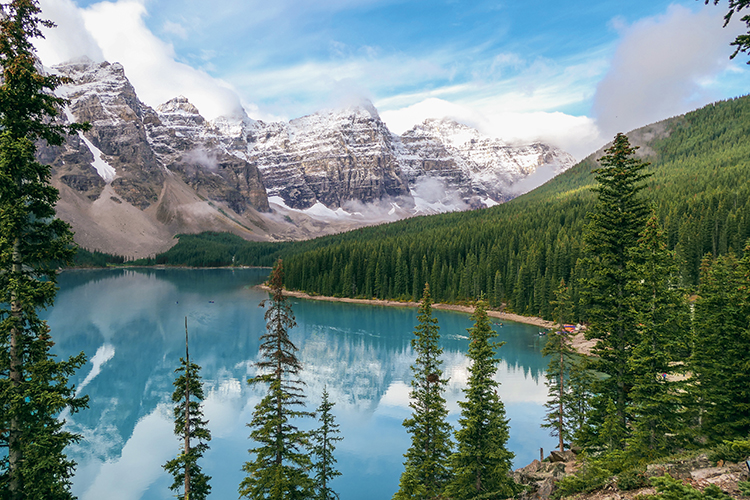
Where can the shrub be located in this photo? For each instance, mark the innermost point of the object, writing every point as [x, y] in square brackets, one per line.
[669, 488]
[731, 451]
[590, 477]
[632, 479]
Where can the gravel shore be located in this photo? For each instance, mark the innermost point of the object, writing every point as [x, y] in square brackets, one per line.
[579, 342]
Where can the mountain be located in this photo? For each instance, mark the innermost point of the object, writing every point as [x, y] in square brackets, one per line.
[331, 157]
[483, 170]
[142, 175]
[518, 252]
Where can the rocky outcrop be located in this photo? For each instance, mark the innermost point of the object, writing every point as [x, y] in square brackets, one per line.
[101, 95]
[330, 157]
[539, 478]
[477, 166]
[189, 145]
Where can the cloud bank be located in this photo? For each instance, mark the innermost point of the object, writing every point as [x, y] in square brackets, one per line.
[663, 66]
[116, 32]
[649, 70]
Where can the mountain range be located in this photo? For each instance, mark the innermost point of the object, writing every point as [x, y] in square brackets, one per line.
[141, 175]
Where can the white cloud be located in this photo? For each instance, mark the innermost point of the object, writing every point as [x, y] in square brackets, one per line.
[663, 67]
[402, 119]
[70, 39]
[577, 135]
[176, 29]
[129, 475]
[119, 32]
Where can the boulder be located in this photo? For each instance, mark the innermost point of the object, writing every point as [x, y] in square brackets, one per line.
[562, 456]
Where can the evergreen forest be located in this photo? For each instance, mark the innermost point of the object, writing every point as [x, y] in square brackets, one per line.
[516, 253]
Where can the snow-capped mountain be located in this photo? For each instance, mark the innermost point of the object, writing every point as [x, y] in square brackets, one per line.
[142, 175]
[332, 157]
[480, 168]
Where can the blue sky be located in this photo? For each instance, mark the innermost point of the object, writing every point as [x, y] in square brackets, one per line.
[569, 72]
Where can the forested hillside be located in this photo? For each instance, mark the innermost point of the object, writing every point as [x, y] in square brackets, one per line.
[519, 251]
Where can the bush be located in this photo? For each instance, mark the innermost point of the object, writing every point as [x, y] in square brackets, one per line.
[592, 476]
[669, 488]
[731, 451]
[632, 479]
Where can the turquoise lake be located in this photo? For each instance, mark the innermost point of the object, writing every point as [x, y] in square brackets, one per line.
[130, 324]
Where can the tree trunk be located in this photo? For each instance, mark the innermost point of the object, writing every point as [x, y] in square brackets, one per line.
[16, 376]
[562, 390]
[187, 414]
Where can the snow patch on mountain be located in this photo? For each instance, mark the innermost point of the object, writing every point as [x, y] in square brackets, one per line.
[104, 169]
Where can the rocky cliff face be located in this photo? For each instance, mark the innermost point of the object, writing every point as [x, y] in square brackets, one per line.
[189, 145]
[482, 169]
[102, 96]
[141, 175]
[330, 157]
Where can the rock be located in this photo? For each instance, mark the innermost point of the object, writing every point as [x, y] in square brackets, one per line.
[540, 477]
[680, 469]
[562, 456]
[545, 487]
[477, 166]
[331, 157]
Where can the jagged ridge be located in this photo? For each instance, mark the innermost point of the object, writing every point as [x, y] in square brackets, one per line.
[184, 173]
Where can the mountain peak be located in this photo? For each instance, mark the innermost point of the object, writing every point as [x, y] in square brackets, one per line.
[178, 105]
[358, 106]
[450, 132]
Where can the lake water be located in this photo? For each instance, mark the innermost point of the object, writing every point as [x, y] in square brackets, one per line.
[130, 324]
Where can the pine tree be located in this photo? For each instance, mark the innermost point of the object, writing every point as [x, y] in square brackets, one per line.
[280, 468]
[426, 467]
[721, 359]
[562, 357]
[742, 42]
[323, 446]
[189, 425]
[481, 466]
[33, 385]
[614, 228]
[579, 401]
[663, 326]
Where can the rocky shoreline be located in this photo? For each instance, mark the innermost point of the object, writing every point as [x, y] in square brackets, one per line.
[698, 472]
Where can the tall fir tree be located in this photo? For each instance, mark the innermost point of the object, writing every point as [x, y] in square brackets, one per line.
[579, 401]
[481, 465]
[324, 440]
[279, 470]
[562, 358]
[720, 357]
[663, 327]
[614, 228]
[426, 469]
[189, 425]
[33, 384]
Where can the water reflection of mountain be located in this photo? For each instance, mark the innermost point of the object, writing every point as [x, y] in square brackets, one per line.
[130, 323]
